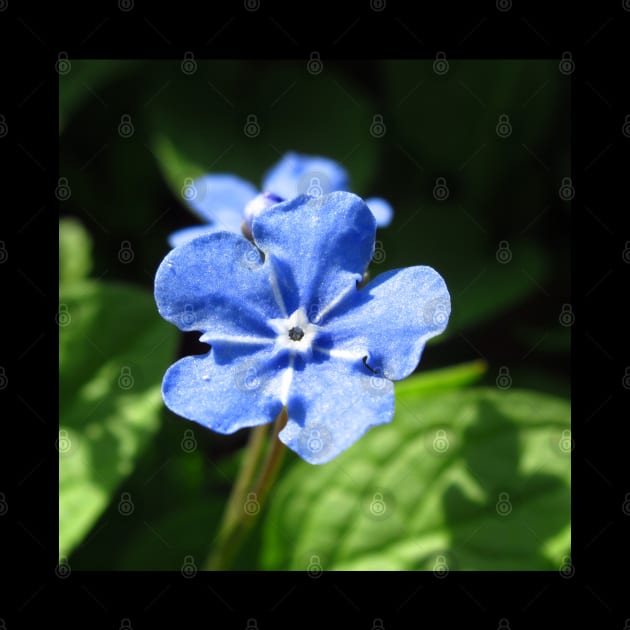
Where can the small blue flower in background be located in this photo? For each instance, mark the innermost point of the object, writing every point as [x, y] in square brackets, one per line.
[221, 200]
[288, 325]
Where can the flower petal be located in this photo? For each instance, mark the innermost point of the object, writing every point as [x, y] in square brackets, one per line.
[332, 403]
[179, 237]
[225, 397]
[381, 209]
[255, 207]
[391, 319]
[319, 247]
[221, 200]
[217, 284]
[297, 174]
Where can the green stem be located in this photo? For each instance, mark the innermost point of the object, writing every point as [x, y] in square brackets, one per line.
[274, 458]
[237, 519]
[234, 507]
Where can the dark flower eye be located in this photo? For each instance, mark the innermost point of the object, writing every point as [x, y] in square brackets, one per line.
[296, 333]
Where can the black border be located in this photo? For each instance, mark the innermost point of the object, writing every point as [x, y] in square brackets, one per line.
[599, 363]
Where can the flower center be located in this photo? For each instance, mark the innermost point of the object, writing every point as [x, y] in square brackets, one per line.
[296, 333]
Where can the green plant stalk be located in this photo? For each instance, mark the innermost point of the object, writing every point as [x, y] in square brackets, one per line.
[234, 508]
[237, 521]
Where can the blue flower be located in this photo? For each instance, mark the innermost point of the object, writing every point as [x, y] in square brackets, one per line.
[289, 326]
[221, 200]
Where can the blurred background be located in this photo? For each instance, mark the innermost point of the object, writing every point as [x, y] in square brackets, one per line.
[474, 471]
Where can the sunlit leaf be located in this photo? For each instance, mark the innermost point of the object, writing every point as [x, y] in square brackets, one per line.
[113, 349]
[75, 251]
[473, 479]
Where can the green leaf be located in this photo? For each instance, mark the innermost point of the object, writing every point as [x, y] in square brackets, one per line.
[499, 190]
[182, 505]
[448, 123]
[75, 251]
[481, 286]
[541, 378]
[473, 479]
[183, 532]
[484, 287]
[180, 486]
[548, 340]
[434, 381]
[198, 124]
[86, 77]
[113, 350]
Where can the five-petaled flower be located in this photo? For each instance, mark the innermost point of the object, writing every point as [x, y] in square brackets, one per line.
[289, 326]
[229, 203]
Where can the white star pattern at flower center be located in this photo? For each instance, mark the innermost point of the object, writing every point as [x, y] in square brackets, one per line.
[294, 333]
